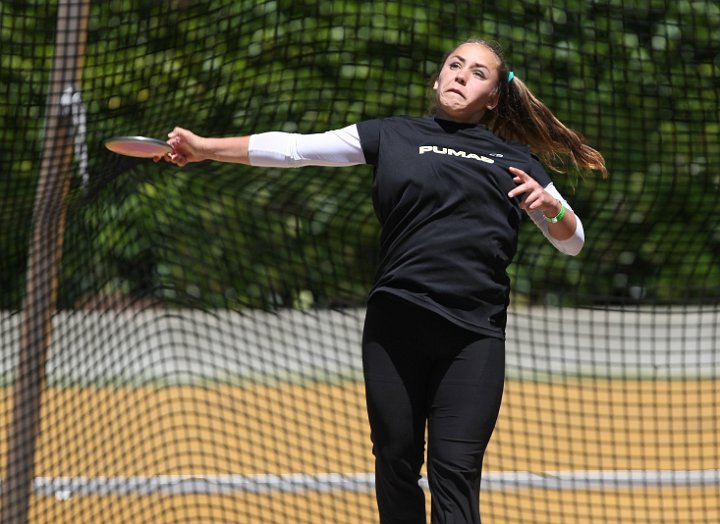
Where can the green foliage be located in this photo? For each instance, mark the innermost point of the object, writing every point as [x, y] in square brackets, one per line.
[638, 78]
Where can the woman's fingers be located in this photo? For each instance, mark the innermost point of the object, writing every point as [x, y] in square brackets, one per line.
[530, 193]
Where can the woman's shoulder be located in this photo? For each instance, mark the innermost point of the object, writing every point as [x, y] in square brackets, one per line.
[518, 148]
[404, 120]
[398, 125]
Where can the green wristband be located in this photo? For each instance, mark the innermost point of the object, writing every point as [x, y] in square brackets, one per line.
[559, 216]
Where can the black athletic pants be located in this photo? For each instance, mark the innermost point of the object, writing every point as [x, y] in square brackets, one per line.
[420, 368]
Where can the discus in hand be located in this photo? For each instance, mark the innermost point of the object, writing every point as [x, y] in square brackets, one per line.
[137, 146]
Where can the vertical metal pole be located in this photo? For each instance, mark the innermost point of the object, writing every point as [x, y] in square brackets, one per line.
[44, 255]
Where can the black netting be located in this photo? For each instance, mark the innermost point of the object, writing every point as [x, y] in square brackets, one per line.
[183, 345]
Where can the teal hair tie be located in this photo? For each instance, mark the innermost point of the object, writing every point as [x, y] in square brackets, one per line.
[511, 75]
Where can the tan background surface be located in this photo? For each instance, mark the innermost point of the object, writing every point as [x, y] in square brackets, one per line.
[572, 426]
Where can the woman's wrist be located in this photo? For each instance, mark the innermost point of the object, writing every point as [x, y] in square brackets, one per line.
[205, 150]
[555, 213]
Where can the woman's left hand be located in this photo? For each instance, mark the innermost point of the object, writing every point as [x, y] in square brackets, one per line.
[531, 194]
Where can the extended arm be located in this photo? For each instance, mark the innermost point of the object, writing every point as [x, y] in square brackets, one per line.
[340, 147]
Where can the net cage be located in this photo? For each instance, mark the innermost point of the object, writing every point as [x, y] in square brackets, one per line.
[183, 345]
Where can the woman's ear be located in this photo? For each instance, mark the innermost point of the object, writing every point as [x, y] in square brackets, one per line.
[435, 85]
[492, 104]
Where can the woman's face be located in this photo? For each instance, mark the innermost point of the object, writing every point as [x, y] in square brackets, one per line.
[467, 84]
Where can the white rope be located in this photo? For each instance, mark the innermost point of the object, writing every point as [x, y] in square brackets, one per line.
[71, 105]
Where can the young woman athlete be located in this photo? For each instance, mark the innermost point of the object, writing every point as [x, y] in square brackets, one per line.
[449, 191]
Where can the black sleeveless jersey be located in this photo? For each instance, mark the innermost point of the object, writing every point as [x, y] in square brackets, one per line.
[449, 230]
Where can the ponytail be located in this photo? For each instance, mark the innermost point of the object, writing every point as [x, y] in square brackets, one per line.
[522, 117]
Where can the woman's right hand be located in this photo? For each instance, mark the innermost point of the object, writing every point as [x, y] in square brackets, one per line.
[187, 147]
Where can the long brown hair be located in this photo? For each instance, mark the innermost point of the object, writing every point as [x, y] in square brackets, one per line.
[520, 116]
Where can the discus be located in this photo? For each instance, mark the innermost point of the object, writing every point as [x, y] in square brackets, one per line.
[137, 146]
